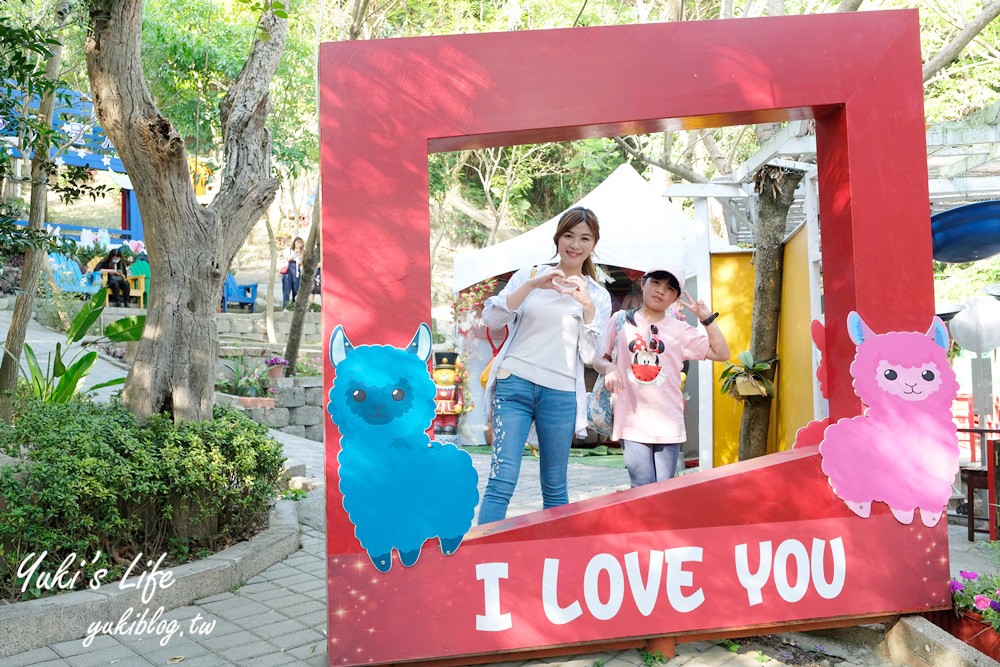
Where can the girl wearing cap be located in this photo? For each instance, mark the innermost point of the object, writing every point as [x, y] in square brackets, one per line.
[650, 347]
[556, 315]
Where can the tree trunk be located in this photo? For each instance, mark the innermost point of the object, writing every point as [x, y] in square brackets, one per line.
[271, 279]
[33, 259]
[775, 187]
[310, 262]
[190, 246]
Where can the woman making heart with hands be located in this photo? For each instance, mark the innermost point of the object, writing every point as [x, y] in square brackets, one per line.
[556, 315]
[650, 346]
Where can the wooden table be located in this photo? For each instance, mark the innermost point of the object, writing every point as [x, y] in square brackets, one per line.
[983, 477]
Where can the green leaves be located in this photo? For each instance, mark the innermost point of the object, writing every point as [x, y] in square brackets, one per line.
[61, 379]
[747, 371]
[275, 7]
[71, 377]
[87, 316]
[127, 329]
[94, 482]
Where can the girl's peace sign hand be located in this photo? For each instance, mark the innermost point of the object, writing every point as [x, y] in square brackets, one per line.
[700, 310]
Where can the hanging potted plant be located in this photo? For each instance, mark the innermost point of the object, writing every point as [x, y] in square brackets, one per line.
[746, 378]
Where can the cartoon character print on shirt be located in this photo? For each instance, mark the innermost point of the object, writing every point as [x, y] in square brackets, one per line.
[645, 367]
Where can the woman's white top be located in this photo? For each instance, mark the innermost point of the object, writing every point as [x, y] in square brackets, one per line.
[548, 337]
[554, 343]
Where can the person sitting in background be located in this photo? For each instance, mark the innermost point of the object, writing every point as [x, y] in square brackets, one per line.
[113, 267]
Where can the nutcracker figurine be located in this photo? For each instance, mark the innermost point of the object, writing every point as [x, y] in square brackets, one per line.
[448, 399]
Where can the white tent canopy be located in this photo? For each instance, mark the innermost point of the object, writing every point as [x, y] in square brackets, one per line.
[638, 229]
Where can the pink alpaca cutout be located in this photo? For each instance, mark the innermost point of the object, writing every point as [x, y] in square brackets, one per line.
[903, 450]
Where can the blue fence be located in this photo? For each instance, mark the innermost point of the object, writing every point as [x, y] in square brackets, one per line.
[115, 236]
[85, 143]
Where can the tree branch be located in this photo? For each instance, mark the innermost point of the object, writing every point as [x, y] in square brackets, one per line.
[455, 201]
[676, 169]
[722, 165]
[848, 5]
[357, 18]
[951, 50]
[248, 185]
[681, 172]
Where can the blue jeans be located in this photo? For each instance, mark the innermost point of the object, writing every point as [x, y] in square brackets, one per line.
[650, 463]
[290, 283]
[517, 403]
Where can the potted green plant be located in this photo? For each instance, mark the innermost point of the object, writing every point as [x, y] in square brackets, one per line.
[746, 378]
[976, 618]
[247, 384]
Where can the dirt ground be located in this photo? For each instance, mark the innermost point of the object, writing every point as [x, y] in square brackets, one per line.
[781, 649]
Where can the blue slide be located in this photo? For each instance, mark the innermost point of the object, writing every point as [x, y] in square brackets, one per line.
[967, 233]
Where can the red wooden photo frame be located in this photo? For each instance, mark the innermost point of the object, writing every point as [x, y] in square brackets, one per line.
[690, 561]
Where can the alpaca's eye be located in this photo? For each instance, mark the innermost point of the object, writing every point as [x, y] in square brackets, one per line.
[359, 395]
[927, 375]
[398, 395]
[890, 374]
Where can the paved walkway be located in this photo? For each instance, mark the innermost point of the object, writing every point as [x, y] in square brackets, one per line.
[279, 616]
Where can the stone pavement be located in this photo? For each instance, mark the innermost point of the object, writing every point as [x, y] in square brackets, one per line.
[279, 616]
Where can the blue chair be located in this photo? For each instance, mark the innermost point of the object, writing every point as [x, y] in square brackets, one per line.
[236, 294]
[69, 278]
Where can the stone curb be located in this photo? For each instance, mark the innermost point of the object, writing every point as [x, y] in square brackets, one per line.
[25, 626]
[916, 642]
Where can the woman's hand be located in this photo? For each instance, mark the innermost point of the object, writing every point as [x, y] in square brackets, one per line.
[545, 280]
[576, 287]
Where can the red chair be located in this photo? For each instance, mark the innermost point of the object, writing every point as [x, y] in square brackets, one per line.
[963, 416]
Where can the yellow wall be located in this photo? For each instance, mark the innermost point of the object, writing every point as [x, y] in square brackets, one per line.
[795, 378]
[732, 296]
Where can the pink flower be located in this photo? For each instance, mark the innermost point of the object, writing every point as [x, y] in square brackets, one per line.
[981, 602]
[971, 576]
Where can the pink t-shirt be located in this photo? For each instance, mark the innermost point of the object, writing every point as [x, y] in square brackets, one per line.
[650, 408]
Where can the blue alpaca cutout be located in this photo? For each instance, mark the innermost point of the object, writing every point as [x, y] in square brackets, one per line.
[400, 487]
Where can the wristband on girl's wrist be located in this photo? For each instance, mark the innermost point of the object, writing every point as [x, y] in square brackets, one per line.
[708, 320]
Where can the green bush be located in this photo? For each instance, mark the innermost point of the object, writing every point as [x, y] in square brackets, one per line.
[93, 480]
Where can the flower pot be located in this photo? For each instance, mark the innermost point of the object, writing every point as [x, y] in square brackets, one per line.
[254, 402]
[747, 387]
[276, 372]
[969, 628]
